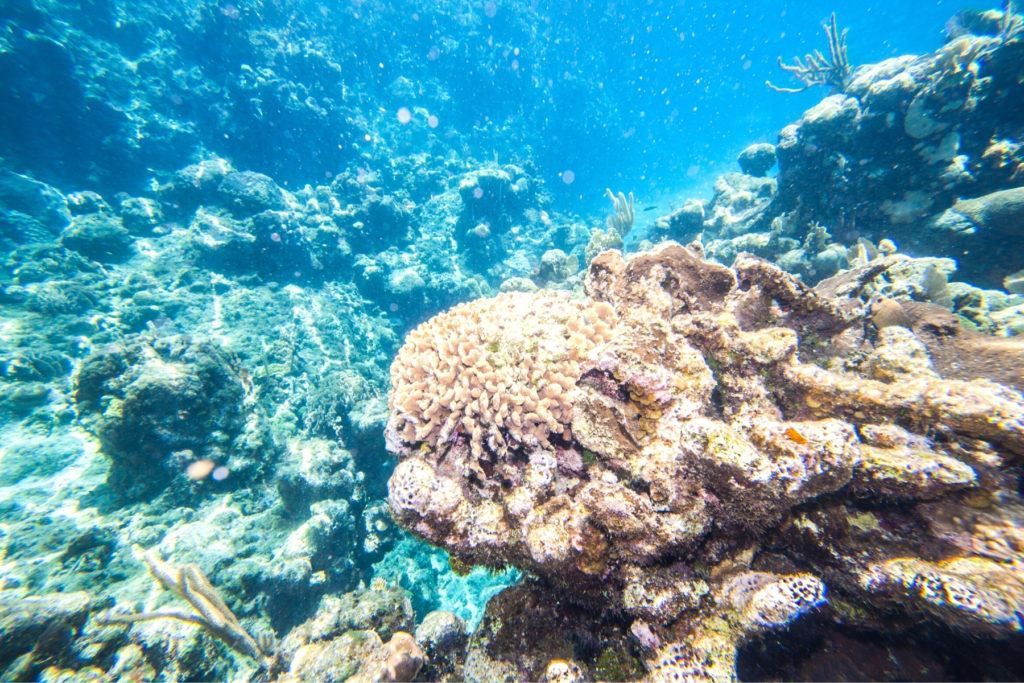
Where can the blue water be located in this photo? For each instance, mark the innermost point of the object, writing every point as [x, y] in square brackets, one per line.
[656, 97]
[685, 81]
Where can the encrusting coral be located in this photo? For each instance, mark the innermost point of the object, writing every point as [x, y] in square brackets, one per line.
[749, 604]
[704, 449]
[975, 593]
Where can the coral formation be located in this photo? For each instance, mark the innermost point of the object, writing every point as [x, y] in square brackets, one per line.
[209, 611]
[356, 656]
[920, 151]
[721, 408]
[750, 603]
[975, 594]
[529, 631]
[162, 406]
[943, 113]
[685, 223]
[816, 68]
[360, 636]
[757, 159]
[443, 637]
[38, 629]
[504, 387]
[219, 220]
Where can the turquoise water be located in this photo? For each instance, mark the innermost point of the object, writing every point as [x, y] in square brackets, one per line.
[220, 221]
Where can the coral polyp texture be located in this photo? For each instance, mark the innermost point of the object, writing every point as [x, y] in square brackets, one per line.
[712, 452]
[500, 371]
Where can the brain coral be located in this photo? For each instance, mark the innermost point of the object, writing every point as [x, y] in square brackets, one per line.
[498, 372]
[710, 451]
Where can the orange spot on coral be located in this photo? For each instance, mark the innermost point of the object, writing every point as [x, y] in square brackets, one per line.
[796, 436]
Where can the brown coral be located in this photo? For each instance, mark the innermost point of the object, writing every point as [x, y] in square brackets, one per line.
[693, 439]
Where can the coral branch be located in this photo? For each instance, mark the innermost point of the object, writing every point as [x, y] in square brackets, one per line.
[1011, 24]
[211, 612]
[816, 69]
[623, 205]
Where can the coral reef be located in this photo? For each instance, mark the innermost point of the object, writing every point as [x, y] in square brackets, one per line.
[945, 114]
[205, 391]
[221, 220]
[167, 406]
[916, 151]
[723, 415]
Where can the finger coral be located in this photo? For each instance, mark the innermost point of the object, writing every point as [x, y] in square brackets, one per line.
[504, 385]
[722, 450]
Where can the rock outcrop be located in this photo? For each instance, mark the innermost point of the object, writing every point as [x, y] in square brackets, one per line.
[710, 446]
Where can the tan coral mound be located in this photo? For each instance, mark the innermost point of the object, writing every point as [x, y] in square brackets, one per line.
[711, 423]
[500, 372]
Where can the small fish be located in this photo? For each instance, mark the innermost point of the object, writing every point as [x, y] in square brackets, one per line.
[795, 436]
[650, 208]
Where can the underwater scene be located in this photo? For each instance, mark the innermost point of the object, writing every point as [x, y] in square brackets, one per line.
[511, 340]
